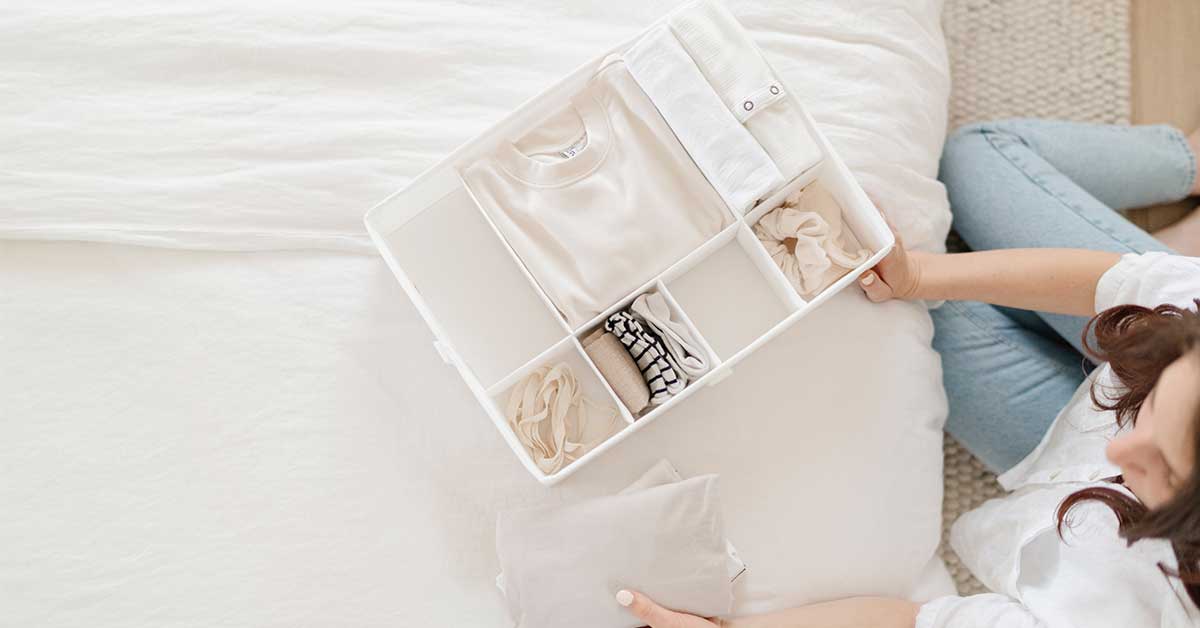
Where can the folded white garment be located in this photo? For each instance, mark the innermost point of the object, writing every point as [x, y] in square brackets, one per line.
[663, 472]
[806, 239]
[608, 163]
[732, 160]
[563, 565]
[683, 351]
[731, 62]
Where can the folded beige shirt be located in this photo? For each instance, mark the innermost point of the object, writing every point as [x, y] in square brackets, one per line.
[563, 565]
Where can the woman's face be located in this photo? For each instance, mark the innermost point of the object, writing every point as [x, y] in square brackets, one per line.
[1157, 456]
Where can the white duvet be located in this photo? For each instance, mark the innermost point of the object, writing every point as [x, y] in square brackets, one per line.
[259, 432]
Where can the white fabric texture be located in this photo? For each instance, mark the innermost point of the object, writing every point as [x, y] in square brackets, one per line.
[276, 431]
[732, 160]
[563, 564]
[684, 353]
[274, 132]
[719, 45]
[1011, 544]
[607, 164]
[807, 239]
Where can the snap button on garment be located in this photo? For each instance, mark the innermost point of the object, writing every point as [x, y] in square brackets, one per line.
[775, 89]
[748, 105]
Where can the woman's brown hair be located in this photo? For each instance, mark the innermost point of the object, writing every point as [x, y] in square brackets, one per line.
[1138, 343]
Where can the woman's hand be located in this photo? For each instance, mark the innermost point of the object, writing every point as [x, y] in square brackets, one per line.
[896, 276]
[1059, 281]
[656, 616]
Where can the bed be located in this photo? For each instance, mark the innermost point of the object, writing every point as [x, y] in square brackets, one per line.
[218, 408]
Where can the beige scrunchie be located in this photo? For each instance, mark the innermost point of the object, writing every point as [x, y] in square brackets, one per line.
[804, 237]
[548, 412]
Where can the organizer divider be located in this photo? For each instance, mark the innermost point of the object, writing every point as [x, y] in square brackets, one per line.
[713, 359]
[515, 258]
[770, 270]
[775, 200]
[512, 378]
[678, 268]
[625, 414]
[714, 244]
[688, 391]
[858, 211]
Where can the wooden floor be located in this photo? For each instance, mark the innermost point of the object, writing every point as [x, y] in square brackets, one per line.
[1166, 80]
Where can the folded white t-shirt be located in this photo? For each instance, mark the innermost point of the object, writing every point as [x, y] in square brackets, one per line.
[599, 198]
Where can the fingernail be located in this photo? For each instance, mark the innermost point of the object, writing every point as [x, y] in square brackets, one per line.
[624, 598]
[868, 279]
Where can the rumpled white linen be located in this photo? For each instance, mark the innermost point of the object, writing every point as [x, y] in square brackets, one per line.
[227, 125]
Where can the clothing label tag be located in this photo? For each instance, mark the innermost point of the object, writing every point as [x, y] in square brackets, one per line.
[574, 149]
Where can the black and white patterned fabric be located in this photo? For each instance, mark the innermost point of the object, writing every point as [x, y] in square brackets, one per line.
[648, 351]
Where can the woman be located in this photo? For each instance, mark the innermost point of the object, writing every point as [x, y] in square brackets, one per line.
[1101, 525]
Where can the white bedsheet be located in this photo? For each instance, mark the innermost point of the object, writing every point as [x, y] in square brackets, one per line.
[246, 126]
[268, 438]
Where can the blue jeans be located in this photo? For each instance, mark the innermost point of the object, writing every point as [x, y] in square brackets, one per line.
[1039, 183]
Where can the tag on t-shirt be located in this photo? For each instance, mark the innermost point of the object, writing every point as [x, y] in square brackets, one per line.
[574, 149]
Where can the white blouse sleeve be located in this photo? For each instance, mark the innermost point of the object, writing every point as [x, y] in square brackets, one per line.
[990, 610]
[1150, 279]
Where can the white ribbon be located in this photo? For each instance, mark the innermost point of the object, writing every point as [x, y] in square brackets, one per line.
[548, 412]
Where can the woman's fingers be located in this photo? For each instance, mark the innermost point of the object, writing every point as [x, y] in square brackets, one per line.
[874, 287]
[656, 616]
[645, 609]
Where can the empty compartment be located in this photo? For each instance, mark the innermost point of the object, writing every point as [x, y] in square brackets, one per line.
[729, 296]
[647, 350]
[560, 371]
[485, 305]
[810, 236]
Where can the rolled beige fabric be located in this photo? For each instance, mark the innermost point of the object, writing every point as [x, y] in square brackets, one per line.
[619, 369]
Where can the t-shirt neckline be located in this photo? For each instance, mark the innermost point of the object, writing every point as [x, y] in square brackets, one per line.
[598, 132]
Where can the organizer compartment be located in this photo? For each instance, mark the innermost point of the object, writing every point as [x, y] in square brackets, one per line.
[495, 324]
[598, 429]
[676, 316]
[486, 307]
[731, 295]
[852, 212]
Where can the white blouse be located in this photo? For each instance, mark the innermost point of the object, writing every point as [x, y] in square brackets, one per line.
[1092, 579]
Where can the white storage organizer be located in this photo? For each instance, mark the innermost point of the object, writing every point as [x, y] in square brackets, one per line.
[493, 322]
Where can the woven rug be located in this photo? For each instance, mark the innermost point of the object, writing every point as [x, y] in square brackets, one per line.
[1065, 59]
